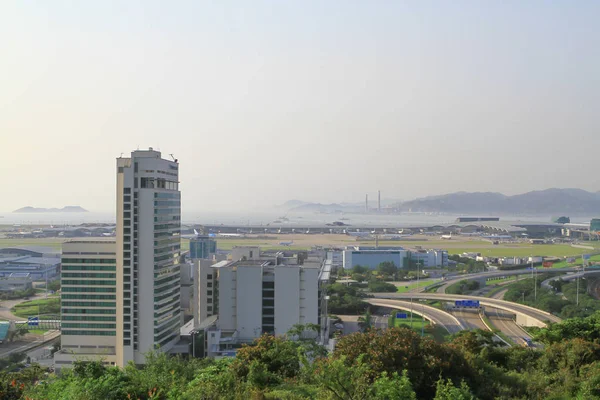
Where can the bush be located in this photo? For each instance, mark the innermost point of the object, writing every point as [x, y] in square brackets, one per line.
[379, 286]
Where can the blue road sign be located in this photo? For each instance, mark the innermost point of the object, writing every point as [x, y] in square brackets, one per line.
[466, 303]
[401, 315]
[33, 321]
[587, 256]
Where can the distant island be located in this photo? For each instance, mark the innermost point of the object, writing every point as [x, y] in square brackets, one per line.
[540, 202]
[67, 209]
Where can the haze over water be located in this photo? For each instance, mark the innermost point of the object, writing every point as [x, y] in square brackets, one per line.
[264, 218]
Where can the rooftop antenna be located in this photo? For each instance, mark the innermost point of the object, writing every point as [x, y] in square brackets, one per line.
[173, 157]
[121, 156]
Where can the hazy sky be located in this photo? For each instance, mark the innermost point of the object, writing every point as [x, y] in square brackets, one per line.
[265, 101]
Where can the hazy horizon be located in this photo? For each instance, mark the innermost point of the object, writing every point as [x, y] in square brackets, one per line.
[265, 102]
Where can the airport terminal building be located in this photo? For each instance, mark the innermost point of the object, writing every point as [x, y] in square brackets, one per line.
[373, 256]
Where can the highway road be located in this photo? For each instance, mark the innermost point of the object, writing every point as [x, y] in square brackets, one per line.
[506, 324]
[540, 317]
[492, 274]
[435, 315]
[470, 319]
[546, 283]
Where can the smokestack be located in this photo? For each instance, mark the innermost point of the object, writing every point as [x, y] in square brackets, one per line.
[366, 203]
[379, 200]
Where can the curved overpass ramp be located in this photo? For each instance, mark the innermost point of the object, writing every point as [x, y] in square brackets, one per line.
[495, 274]
[526, 316]
[432, 314]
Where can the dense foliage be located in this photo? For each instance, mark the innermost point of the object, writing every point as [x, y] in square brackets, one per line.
[344, 299]
[561, 301]
[392, 364]
[463, 287]
[467, 265]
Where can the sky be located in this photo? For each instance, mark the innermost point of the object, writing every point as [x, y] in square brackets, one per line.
[266, 101]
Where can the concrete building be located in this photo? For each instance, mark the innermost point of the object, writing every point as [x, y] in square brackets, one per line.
[202, 246]
[373, 256]
[88, 303]
[16, 281]
[37, 264]
[257, 294]
[148, 255]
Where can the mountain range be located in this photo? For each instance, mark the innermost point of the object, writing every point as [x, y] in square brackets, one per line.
[66, 209]
[540, 202]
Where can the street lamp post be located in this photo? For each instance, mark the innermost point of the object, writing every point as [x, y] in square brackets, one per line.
[193, 343]
[422, 318]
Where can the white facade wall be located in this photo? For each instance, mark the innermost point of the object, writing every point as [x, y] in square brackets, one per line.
[203, 283]
[247, 252]
[287, 298]
[309, 296]
[145, 293]
[227, 298]
[249, 301]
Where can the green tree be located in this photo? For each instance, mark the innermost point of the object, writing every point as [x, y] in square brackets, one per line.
[388, 268]
[341, 379]
[445, 390]
[279, 357]
[359, 269]
[377, 286]
[394, 387]
[365, 321]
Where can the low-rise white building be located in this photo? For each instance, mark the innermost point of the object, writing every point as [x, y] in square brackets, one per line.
[254, 295]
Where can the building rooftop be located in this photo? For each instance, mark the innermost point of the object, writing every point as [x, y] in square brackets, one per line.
[30, 249]
[46, 261]
[92, 240]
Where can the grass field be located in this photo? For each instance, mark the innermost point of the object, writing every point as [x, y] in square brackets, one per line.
[578, 261]
[40, 307]
[38, 331]
[54, 243]
[435, 332]
[417, 321]
[402, 288]
[304, 242]
[491, 282]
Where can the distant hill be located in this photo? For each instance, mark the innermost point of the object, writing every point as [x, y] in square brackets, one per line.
[541, 202]
[318, 207]
[67, 209]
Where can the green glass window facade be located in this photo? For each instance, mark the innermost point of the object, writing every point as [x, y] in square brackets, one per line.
[87, 333]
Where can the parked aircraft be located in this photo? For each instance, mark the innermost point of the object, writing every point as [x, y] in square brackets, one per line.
[359, 234]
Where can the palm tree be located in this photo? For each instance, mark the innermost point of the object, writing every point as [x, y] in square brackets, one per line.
[364, 321]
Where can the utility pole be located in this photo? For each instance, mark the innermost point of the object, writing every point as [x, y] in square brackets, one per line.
[423, 318]
[534, 282]
[577, 301]
[193, 344]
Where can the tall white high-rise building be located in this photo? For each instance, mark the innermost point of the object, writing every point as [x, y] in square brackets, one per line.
[147, 255]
